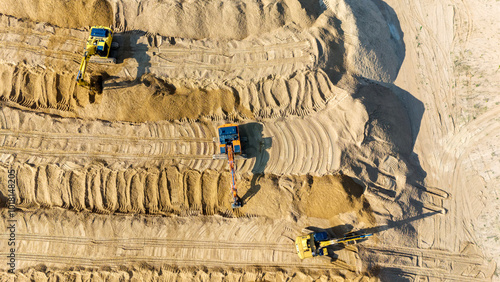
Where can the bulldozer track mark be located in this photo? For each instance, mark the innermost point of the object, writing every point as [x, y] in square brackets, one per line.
[63, 153]
[232, 60]
[71, 260]
[303, 45]
[436, 52]
[82, 136]
[67, 39]
[27, 33]
[424, 253]
[466, 24]
[290, 139]
[474, 131]
[172, 64]
[430, 273]
[166, 141]
[442, 263]
[39, 43]
[157, 242]
[41, 51]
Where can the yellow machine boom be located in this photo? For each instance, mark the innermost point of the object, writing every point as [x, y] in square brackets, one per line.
[80, 78]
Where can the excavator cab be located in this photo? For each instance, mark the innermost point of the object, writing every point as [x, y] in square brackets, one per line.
[102, 38]
[229, 134]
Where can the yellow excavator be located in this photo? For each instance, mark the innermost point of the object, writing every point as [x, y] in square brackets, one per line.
[99, 44]
[315, 244]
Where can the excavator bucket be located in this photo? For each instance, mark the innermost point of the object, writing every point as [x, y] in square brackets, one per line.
[97, 83]
[237, 203]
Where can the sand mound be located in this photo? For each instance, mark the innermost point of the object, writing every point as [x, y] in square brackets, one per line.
[74, 14]
[330, 196]
[374, 46]
[145, 272]
[156, 100]
[214, 19]
[286, 70]
[186, 192]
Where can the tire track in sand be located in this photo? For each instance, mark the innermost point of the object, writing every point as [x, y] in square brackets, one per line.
[299, 139]
[25, 135]
[429, 262]
[210, 242]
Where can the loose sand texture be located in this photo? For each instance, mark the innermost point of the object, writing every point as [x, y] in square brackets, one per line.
[371, 116]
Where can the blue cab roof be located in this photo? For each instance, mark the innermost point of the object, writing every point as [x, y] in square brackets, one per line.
[228, 134]
[99, 32]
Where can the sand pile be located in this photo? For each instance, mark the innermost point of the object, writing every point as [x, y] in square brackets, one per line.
[215, 19]
[173, 191]
[330, 196]
[145, 273]
[374, 46]
[74, 14]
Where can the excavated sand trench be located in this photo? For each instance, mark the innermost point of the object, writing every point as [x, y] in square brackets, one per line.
[124, 181]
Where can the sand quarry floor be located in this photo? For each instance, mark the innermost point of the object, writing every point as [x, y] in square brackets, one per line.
[359, 115]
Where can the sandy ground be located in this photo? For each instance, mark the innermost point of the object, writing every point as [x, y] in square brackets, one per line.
[371, 116]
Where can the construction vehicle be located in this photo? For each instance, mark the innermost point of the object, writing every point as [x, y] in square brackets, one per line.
[99, 44]
[230, 149]
[315, 244]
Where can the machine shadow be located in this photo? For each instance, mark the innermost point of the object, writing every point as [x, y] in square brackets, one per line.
[132, 46]
[254, 145]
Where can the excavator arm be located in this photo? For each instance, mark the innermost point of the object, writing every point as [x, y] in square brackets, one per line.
[80, 77]
[230, 149]
[347, 239]
[230, 157]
